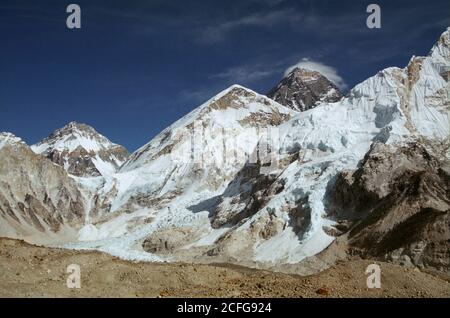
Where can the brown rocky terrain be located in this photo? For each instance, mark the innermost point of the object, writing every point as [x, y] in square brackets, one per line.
[31, 271]
[38, 199]
[304, 89]
[397, 204]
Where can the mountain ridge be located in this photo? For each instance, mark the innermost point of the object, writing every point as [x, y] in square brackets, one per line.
[201, 190]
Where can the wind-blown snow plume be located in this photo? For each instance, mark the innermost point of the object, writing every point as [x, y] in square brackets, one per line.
[328, 71]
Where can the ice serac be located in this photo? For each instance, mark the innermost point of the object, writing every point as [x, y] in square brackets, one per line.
[304, 89]
[82, 151]
[39, 202]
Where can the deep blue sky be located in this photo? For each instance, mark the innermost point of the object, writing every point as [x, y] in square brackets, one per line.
[136, 66]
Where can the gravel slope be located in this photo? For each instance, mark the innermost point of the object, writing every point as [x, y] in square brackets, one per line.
[31, 271]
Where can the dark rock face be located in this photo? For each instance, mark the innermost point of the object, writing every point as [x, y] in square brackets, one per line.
[399, 204]
[304, 89]
[250, 191]
[166, 241]
[80, 161]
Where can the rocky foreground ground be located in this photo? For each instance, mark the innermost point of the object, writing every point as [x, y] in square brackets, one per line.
[32, 271]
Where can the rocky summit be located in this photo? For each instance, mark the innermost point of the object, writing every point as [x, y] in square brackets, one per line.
[304, 89]
[82, 151]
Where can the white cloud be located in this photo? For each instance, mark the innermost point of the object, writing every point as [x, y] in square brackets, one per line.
[328, 71]
[245, 74]
[218, 31]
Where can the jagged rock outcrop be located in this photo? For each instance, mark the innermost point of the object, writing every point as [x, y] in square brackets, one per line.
[38, 199]
[304, 89]
[82, 151]
[399, 203]
[249, 192]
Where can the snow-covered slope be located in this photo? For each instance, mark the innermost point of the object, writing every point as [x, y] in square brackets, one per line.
[7, 138]
[82, 151]
[273, 213]
[244, 179]
[391, 107]
[200, 152]
[191, 161]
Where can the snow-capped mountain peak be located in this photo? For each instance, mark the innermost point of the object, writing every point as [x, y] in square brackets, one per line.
[240, 212]
[81, 150]
[193, 193]
[303, 89]
[236, 107]
[72, 136]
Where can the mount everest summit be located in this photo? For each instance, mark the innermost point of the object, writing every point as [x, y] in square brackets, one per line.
[303, 89]
[254, 180]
